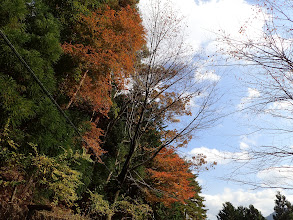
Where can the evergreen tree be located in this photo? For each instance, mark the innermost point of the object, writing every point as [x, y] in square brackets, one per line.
[229, 212]
[31, 116]
[195, 208]
[253, 213]
[283, 208]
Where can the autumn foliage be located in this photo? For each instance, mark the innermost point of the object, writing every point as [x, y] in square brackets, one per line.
[112, 154]
[107, 55]
[170, 176]
[92, 138]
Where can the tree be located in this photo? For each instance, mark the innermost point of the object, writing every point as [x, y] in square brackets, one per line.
[162, 87]
[253, 213]
[270, 77]
[124, 97]
[170, 177]
[229, 212]
[38, 148]
[30, 115]
[104, 55]
[172, 189]
[283, 208]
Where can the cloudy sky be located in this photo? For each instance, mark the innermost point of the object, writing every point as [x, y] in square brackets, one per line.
[233, 135]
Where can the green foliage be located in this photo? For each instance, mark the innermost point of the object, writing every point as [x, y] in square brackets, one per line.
[68, 13]
[175, 212]
[253, 213]
[195, 207]
[99, 206]
[131, 208]
[40, 154]
[11, 11]
[35, 34]
[55, 175]
[125, 208]
[179, 211]
[283, 208]
[229, 212]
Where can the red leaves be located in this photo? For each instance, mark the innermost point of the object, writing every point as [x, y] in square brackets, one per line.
[171, 176]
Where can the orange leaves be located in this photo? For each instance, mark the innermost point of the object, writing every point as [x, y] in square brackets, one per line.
[104, 51]
[110, 40]
[173, 105]
[98, 94]
[170, 174]
[180, 140]
[93, 139]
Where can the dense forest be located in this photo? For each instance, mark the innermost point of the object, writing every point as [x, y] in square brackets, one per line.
[88, 117]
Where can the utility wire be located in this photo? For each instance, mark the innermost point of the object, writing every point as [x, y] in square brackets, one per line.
[58, 107]
[49, 95]
[38, 81]
[45, 90]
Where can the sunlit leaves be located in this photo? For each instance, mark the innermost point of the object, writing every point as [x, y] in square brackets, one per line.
[170, 175]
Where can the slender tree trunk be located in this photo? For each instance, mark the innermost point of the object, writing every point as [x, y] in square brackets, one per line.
[109, 217]
[116, 195]
[109, 177]
[79, 86]
[13, 194]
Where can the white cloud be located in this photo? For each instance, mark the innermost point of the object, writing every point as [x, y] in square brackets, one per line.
[262, 200]
[281, 105]
[206, 75]
[221, 157]
[277, 176]
[251, 95]
[244, 146]
[247, 142]
[251, 140]
[205, 18]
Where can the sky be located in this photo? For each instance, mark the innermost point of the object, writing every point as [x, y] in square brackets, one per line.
[233, 135]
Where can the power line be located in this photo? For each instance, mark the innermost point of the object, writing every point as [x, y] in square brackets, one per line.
[62, 112]
[47, 93]
[38, 81]
[44, 89]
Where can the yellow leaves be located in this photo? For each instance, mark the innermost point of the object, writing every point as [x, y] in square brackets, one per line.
[57, 177]
[99, 205]
[132, 207]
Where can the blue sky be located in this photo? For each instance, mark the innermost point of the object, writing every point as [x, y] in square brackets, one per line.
[234, 134]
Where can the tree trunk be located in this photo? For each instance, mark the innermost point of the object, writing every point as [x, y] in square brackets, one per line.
[79, 86]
